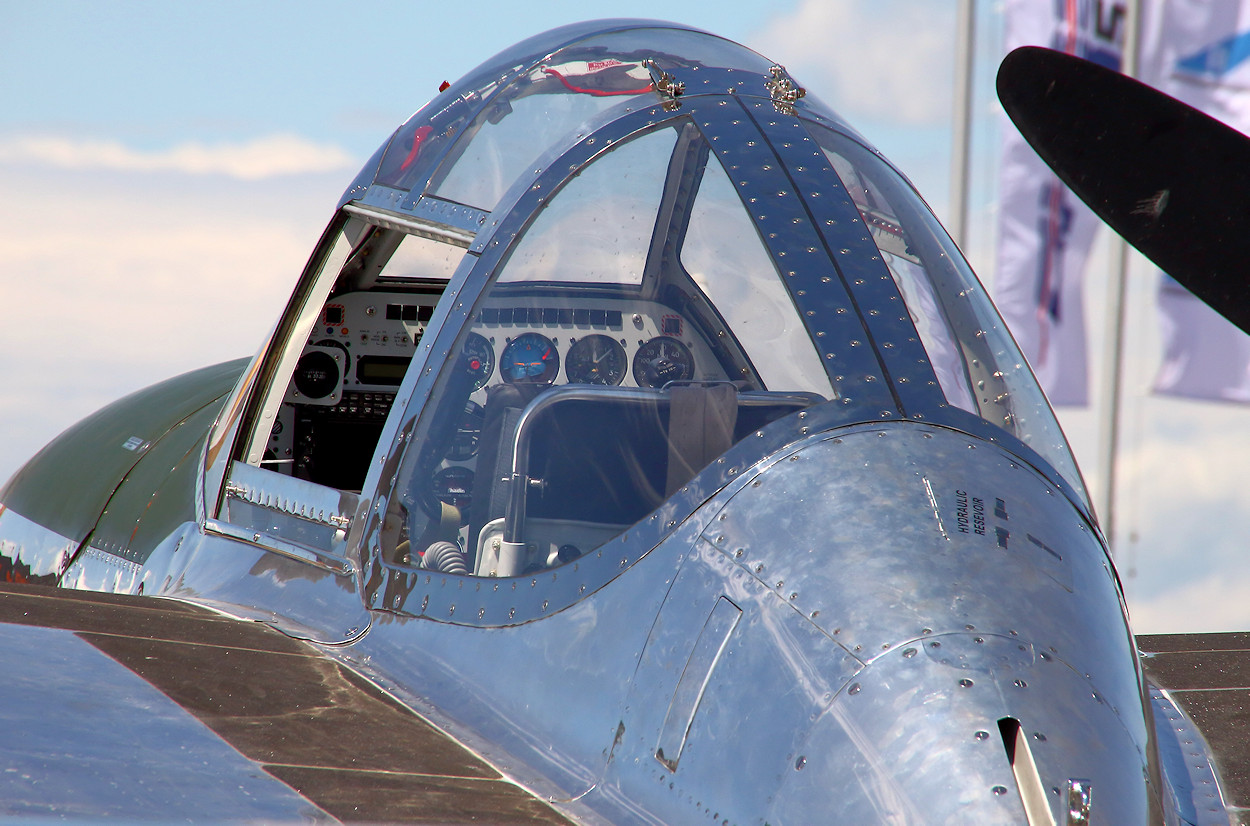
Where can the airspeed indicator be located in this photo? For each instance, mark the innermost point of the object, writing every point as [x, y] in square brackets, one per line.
[662, 360]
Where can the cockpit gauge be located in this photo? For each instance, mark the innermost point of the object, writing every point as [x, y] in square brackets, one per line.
[468, 431]
[530, 358]
[319, 375]
[662, 360]
[481, 358]
[596, 359]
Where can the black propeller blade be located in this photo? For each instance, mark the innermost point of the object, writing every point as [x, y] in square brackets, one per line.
[1172, 181]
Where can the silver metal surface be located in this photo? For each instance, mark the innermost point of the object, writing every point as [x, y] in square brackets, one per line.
[332, 562]
[1185, 760]
[1006, 531]
[305, 595]
[886, 587]
[439, 220]
[551, 721]
[291, 497]
[41, 553]
[853, 630]
[86, 739]
[772, 677]
[100, 569]
[292, 512]
[694, 679]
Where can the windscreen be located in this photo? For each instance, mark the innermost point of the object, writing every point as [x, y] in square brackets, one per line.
[637, 329]
[473, 142]
[978, 365]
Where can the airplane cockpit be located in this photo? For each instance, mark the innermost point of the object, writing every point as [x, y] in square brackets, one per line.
[584, 288]
[609, 362]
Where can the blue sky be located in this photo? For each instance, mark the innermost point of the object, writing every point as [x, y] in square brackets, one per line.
[152, 75]
[171, 164]
[167, 168]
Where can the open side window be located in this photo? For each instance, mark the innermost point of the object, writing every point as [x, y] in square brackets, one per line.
[328, 380]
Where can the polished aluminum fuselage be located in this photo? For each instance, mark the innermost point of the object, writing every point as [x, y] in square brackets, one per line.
[840, 629]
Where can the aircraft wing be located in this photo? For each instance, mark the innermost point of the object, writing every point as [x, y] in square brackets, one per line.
[133, 707]
[1208, 677]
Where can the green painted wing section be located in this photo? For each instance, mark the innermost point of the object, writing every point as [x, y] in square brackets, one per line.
[158, 494]
[67, 485]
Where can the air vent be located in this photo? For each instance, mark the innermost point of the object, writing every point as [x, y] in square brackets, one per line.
[1028, 782]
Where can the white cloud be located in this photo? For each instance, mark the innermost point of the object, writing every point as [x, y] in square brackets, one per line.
[1183, 512]
[1214, 603]
[890, 61]
[249, 161]
[145, 277]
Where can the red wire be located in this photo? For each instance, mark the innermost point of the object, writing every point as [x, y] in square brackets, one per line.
[417, 137]
[599, 93]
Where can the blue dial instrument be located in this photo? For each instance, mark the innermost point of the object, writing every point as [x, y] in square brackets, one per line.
[530, 358]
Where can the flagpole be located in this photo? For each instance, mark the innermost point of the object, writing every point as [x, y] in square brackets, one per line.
[1113, 352]
[961, 137]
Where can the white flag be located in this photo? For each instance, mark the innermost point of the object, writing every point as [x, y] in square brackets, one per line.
[1198, 51]
[1044, 231]
[1204, 356]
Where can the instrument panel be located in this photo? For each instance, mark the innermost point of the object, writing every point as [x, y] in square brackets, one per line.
[587, 342]
[344, 385]
[607, 342]
[345, 381]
